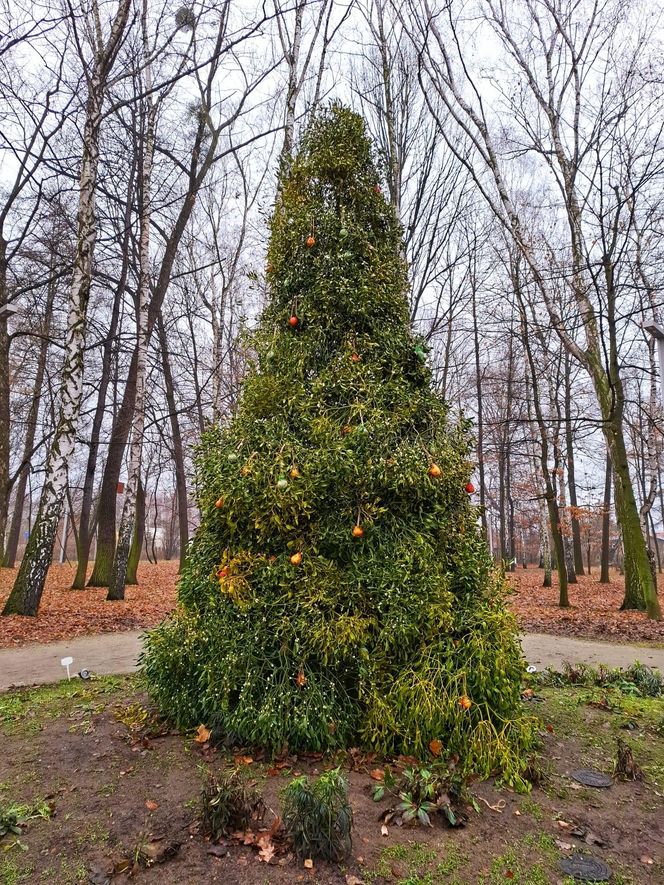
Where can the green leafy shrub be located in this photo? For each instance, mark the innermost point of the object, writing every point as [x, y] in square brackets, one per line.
[229, 803]
[317, 817]
[338, 590]
[423, 792]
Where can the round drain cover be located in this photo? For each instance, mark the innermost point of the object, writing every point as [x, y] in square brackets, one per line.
[585, 868]
[591, 778]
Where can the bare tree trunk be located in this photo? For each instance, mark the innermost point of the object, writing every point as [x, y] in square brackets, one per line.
[29, 585]
[139, 536]
[4, 399]
[85, 520]
[30, 432]
[178, 449]
[571, 478]
[480, 414]
[116, 589]
[606, 524]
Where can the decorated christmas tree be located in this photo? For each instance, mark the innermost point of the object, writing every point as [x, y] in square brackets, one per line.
[338, 591]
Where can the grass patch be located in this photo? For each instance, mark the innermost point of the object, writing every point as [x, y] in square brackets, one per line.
[26, 710]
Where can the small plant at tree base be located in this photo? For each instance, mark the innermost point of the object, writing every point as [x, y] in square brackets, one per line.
[229, 803]
[422, 792]
[317, 816]
[13, 817]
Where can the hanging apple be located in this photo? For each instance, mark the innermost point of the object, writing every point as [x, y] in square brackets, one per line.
[358, 531]
[293, 321]
[296, 558]
[470, 488]
[343, 233]
[310, 241]
[282, 483]
[222, 573]
[435, 472]
[219, 503]
[465, 702]
[355, 357]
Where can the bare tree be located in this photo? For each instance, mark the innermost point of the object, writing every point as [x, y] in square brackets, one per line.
[87, 34]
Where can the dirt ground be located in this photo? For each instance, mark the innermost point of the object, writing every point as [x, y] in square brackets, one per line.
[65, 613]
[78, 748]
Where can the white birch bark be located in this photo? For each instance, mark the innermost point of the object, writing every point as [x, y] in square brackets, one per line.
[118, 580]
[29, 585]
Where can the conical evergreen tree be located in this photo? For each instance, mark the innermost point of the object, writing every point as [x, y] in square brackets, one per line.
[338, 590]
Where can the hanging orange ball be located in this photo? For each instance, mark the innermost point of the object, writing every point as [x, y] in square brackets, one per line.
[358, 531]
[310, 241]
[222, 573]
[270, 268]
[293, 321]
[219, 503]
[300, 679]
[465, 702]
[355, 357]
[435, 471]
[296, 558]
[470, 488]
[294, 474]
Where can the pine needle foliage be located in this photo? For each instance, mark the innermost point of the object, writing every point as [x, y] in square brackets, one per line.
[338, 590]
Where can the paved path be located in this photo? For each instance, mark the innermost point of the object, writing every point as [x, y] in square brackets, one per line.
[116, 653]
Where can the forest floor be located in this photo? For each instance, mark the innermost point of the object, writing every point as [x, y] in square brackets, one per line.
[108, 790]
[64, 613]
[594, 610]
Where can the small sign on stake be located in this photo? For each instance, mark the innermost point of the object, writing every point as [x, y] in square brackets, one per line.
[67, 662]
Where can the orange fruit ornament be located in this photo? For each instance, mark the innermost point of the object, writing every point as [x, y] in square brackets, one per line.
[470, 488]
[219, 503]
[465, 702]
[222, 573]
[435, 471]
[358, 531]
[300, 679]
[296, 558]
[293, 321]
[355, 357]
[310, 241]
[294, 474]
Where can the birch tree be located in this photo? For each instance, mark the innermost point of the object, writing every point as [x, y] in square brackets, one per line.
[88, 35]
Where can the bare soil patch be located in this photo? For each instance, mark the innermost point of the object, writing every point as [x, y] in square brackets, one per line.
[112, 792]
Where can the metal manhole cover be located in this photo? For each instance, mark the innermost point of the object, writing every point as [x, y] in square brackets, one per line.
[585, 868]
[591, 778]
